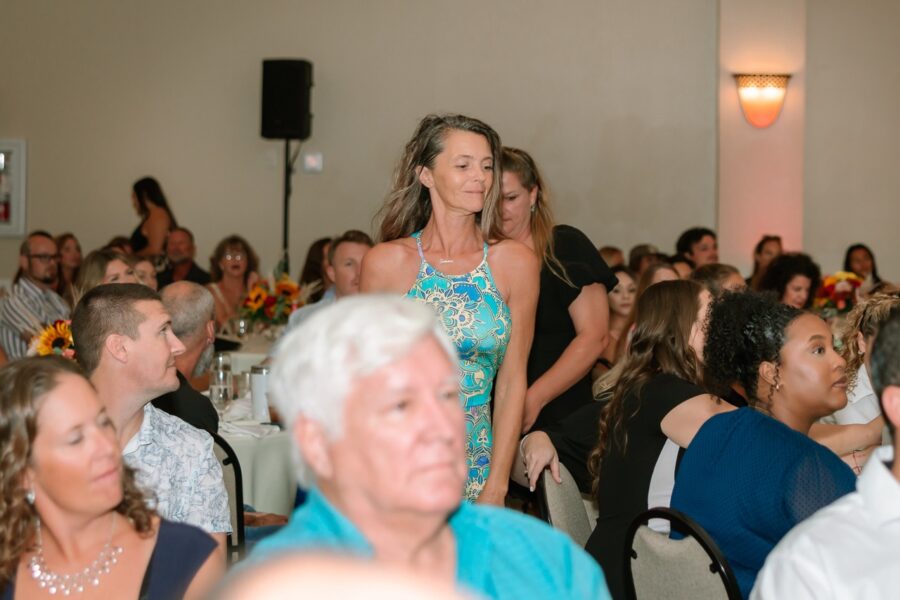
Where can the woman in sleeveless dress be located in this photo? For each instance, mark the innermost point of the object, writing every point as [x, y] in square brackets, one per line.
[149, 237]
[442, 244]
[72, 521]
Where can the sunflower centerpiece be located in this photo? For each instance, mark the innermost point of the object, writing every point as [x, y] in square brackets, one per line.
[270, 302]
[54, 339]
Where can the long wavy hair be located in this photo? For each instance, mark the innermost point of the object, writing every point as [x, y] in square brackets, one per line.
[666, 313]
[866, 318]
[520, 163]
[408, 206]
[23, 386]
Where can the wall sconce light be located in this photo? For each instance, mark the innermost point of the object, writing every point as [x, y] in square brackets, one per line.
[762, 97]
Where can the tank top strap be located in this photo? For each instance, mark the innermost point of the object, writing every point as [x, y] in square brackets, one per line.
[418, 237]
[484, 255]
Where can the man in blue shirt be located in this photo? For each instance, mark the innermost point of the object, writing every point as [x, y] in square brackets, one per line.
[368, 387]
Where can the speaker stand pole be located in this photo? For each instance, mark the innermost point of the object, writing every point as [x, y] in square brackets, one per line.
[288, 171]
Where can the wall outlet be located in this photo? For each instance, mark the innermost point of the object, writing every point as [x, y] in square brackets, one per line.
[313, 162]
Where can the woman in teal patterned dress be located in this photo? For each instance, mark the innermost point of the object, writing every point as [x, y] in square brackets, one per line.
[442, 244]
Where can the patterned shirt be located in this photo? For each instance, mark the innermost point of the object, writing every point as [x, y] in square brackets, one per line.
[26, 311]
[175, 463]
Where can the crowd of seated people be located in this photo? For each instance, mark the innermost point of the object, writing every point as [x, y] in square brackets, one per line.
[669, 379]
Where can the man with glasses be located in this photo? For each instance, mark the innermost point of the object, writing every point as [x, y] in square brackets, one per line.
[33, 304]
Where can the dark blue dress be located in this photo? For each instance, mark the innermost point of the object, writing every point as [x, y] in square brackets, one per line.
[747, 479]
[179, 553]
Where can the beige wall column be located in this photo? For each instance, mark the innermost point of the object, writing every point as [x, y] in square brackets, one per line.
[760, 170]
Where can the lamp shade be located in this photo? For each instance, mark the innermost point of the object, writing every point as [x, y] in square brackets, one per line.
[761, 97]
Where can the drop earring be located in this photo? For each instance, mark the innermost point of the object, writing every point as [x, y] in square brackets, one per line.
[29, 496]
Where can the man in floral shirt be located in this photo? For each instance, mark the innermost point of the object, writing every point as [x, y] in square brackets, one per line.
[123, 339]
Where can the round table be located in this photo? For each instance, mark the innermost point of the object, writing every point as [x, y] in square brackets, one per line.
[267, 469]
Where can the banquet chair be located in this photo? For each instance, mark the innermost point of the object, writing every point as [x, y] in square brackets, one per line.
[564, 506]
[231, 472]
[657, 566]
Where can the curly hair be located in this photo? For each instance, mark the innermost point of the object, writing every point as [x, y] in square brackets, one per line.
[866, 318]
[408, 206]
[784, 268]
[665, 316]
[23, 386]
[744, 330]
[232, 241]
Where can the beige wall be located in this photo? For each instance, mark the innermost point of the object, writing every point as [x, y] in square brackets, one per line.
[616, 100]
[853, 131]
[760, 170]
[624, 104]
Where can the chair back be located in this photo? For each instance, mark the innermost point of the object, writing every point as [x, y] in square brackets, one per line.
[657, 566]
[564, 505]
[231, 472]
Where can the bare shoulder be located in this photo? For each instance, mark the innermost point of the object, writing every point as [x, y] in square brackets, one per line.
[514, 266]
[390, 266]
[514, 254]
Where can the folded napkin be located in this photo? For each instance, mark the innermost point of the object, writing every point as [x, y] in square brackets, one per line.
[251, 428]
[241, 409]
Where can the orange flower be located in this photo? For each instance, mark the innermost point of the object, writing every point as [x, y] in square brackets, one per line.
[54, 339]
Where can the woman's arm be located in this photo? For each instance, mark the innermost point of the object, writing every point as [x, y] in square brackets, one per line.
[590, 314]
[844, 439]
[206, 577]
[683, 422]
[520, 269]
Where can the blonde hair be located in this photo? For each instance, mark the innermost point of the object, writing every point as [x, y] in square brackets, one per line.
[521, 164]
[867, 317]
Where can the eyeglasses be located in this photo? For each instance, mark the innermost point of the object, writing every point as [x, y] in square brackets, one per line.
[44, 258]
[234, 257]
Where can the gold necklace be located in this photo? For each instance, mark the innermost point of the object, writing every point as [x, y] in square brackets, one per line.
[67, 584]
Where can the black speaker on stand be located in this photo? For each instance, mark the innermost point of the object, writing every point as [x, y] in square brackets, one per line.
[286, 85]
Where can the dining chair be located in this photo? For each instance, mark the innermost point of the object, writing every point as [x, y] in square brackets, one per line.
[231, 472]
[692, 568]
[564, 505]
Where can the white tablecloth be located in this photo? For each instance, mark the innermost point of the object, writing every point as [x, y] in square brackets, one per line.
[268, 472]
[269, 481]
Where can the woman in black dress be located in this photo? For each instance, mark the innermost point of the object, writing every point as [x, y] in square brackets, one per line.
[571, 325]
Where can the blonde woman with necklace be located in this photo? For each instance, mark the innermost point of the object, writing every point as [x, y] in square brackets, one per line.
[442, 243]
[72, 521]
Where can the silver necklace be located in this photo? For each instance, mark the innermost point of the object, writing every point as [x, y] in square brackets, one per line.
[76, 583]
[445, 261]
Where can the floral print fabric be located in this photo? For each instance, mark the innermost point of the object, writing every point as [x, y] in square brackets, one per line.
[474, 315]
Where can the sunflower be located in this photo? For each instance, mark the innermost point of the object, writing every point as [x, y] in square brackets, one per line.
[256, 298]
[56, 338]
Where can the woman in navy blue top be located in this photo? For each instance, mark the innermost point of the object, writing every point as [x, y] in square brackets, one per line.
[72, 520]
[750, 475]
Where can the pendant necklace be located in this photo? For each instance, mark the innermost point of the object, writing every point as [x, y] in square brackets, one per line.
[66, 585]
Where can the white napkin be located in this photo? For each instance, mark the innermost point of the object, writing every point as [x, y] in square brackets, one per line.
[251, 428]
[239, 410]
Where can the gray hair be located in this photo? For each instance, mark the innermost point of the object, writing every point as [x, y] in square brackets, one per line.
[317, 363]
[191, 307]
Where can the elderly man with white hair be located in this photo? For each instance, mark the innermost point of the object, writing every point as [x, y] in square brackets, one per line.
[368, 387]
